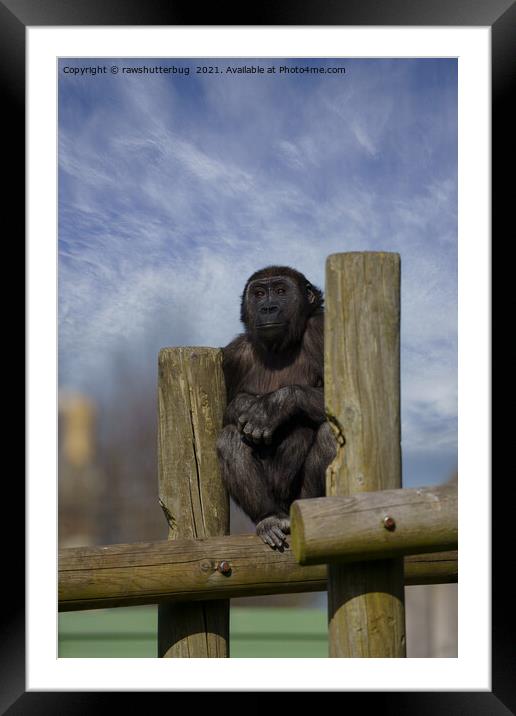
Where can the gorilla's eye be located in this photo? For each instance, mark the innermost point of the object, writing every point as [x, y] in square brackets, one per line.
[280, 290]
[259, 293]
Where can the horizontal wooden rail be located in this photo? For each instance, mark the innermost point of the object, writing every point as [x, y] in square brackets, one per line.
[191, 570]
[375, 525]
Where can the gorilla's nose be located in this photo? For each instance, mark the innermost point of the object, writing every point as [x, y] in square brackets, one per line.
[269, 309]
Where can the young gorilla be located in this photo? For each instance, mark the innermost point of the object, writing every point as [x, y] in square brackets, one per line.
[275, 445]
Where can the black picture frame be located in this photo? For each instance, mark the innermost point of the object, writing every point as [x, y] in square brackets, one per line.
[500, 16]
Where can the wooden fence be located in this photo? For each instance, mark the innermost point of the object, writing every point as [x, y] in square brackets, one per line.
[364, 542]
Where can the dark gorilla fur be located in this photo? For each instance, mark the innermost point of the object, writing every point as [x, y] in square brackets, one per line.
[275, 445]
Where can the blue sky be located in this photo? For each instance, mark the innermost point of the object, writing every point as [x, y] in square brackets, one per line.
[174, 188]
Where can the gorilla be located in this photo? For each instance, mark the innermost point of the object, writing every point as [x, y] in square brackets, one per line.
[276, 444]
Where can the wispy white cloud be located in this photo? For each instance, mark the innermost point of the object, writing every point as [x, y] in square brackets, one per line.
[363, 139]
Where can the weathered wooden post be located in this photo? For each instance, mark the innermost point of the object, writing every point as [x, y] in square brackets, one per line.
[191, 401]
[362, 393]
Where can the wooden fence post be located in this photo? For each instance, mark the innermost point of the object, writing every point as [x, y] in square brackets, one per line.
[362, 393]
[191, 401]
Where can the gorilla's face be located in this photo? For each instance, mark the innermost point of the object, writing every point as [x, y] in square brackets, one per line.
[270, 302]
[274, 307]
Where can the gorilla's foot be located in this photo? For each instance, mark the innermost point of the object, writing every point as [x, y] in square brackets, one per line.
[274, 530]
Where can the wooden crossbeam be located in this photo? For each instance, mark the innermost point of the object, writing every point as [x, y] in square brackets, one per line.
[375, 525]
[192, 570]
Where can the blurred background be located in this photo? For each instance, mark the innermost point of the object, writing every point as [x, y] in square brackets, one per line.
[173, 188]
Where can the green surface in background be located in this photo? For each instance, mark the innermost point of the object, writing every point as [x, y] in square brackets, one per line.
[255, 632]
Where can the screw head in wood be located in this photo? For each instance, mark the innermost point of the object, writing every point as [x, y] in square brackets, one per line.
[389, 523]
[224, 567]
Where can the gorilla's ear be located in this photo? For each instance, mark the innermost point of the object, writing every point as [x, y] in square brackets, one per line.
[310, 293]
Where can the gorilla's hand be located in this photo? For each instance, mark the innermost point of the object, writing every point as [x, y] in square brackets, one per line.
[267, 413]
[239, 405]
